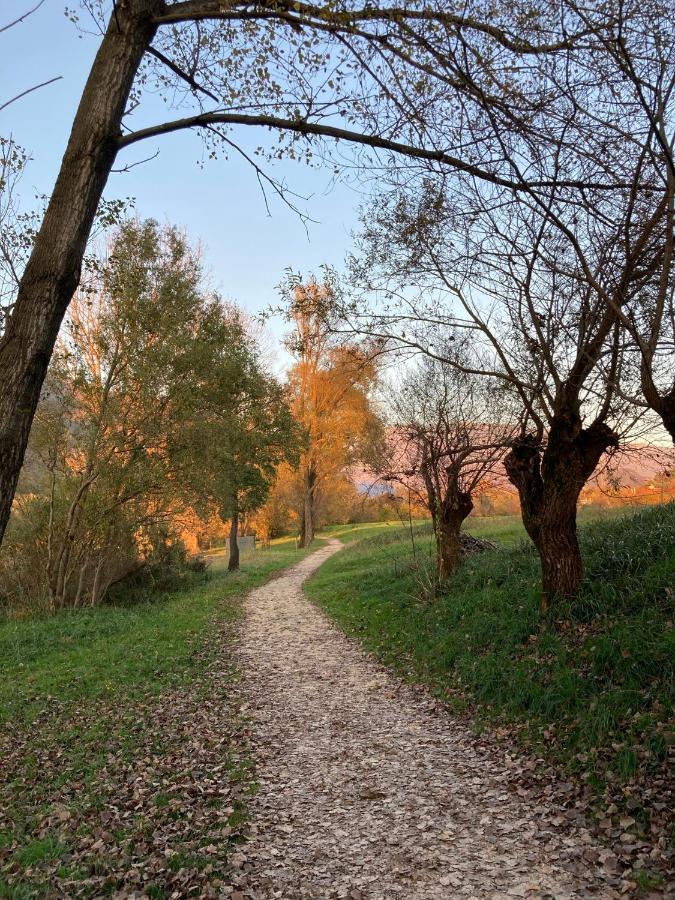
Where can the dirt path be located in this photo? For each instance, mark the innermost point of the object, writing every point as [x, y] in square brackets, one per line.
[364, 793]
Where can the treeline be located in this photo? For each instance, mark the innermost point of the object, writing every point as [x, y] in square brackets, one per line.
[160, 429]
[158, 408]
[520, 231]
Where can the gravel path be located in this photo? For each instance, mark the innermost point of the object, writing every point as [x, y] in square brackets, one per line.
[364, 792]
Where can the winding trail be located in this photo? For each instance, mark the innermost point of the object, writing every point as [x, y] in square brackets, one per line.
[365, 793]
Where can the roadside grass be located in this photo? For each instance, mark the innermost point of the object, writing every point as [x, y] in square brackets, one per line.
[505, 530]
[589, 684]
[91, 695]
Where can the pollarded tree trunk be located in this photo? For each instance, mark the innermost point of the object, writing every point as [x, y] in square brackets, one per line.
[448, 523]
[668, 414]
[549, 481]
[53, 269]
[308, 510]
[561, 563]
[233, 562]
[662, 404]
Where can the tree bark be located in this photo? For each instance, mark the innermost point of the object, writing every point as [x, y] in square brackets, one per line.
[53, 269]
[454, 511]
[667, 412]
[233, 562]
[662, 404]
[309, 504]
[549, 481]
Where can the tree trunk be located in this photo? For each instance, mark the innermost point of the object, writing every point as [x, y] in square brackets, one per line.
[308, 511]
[96, 584]
[662, 404]
[53, 269]
[233, 563]
[456, 508]
[549, 482]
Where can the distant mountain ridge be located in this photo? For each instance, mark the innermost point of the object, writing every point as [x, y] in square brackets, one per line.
[640, 470]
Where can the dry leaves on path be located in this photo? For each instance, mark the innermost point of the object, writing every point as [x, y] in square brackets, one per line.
[364, 792]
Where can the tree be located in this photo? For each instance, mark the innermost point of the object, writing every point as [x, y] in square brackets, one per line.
[114, 409]
[152, 389]
[497, 271]
[329, 393]
[446, 438]
[562, 287]
[257, 434]
[293, 67]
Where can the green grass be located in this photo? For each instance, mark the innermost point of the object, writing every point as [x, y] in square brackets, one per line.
[82, 695]
[506, 530]
[121, 651]
[589, 683]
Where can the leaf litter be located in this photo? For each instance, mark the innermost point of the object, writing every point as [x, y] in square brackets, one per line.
[142, 800]
[369, 788]
[364, 787]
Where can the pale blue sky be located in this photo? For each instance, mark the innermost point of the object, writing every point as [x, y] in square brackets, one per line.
[220, 204]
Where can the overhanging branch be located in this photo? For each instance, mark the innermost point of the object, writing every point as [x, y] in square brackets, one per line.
[316, 129]
[310, 14]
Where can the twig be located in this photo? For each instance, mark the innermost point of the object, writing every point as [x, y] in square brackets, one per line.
[140, 162]
[30, 91]
[21, 18]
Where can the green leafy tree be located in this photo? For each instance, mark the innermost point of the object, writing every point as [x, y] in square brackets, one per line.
[245, 430]
[155, 404]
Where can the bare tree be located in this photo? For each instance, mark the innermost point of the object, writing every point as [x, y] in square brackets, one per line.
[560, 285]
[446, 440]
[499, 272]
[341, 71]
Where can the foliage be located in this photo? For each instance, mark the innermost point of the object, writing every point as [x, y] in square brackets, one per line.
[246, 425]
[330, 395]
[155, 404]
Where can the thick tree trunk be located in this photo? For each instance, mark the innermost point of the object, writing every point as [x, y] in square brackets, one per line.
[53, 270]
[448, 526]
[549, 482]
[233, 562]
[663, 405]
[308, 510]
[561, 564]
[668, 415]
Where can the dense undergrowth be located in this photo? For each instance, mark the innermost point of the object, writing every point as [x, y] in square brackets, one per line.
[121, 759]
[589, 683]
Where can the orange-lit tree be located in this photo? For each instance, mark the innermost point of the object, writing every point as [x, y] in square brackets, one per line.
[330, 394]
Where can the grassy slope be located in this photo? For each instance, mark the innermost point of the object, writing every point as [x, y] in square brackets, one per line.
[83, 687]
[121, 651]
[591, 686]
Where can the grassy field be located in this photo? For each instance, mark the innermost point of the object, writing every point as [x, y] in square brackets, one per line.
[88, 697]
[589, 684]
[506, 530]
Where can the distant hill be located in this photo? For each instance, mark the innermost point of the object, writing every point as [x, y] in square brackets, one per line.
[641, 474]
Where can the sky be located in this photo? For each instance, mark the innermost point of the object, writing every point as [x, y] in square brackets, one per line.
[219, 203]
